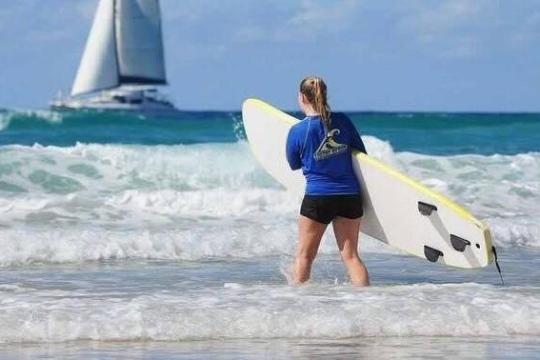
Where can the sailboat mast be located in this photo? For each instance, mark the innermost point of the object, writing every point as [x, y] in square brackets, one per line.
[115, 37]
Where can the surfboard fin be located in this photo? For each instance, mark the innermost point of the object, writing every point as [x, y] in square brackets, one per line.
[432, 254]
[425, 208]
[459, 243]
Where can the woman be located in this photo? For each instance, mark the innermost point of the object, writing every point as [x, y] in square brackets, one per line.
[321, 145]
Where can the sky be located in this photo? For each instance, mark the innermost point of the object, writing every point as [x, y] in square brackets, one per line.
[387, 55]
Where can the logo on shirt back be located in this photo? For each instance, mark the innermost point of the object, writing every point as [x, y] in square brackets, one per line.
[329, 147]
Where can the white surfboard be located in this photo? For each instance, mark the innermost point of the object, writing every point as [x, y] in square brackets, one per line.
[398, 210]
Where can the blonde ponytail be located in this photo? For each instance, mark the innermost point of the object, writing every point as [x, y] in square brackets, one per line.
[314, 89]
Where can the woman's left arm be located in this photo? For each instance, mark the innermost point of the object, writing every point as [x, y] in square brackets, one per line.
[293, 150]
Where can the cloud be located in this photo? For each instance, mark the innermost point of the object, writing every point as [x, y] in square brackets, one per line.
[86, 8]
[188, 11]
[319, 16]
[50, 36]
[309, 20]
[447, 17]
[527, 32]
[449, 28]
[40, 22]
[464, 47]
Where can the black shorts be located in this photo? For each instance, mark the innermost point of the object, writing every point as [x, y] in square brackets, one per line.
[325, 208]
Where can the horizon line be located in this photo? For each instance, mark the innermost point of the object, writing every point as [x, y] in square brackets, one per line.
[365, 111]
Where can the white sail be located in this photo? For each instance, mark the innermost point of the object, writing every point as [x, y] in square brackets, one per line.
[98, 68]
[139, 42]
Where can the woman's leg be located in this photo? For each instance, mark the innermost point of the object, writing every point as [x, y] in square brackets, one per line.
[346, 231]
[310, 235]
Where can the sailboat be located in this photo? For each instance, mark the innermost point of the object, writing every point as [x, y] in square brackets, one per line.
[123, 61]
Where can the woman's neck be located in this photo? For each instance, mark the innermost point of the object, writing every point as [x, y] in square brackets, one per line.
[309, 110]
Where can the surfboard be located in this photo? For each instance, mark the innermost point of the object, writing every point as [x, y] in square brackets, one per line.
[398, 210]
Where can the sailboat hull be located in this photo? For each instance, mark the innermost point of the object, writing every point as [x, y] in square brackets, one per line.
[126, 100]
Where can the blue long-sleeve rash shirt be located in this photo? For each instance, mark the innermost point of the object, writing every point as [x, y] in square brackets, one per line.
[325, 158]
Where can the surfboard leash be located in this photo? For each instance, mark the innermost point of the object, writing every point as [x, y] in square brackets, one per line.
[497, 263]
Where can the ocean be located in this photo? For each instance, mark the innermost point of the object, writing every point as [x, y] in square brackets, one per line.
[129, 236]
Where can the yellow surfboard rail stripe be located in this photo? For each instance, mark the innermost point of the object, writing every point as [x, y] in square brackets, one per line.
[459, 210]
[280, 114]
[464, 213]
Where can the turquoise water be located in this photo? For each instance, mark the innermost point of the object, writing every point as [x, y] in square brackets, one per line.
[429, 133]
[126, 236]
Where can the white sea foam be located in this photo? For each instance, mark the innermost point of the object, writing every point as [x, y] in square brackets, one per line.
[191, 240]
[4, 122]
[263, 311]
[93, 201]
